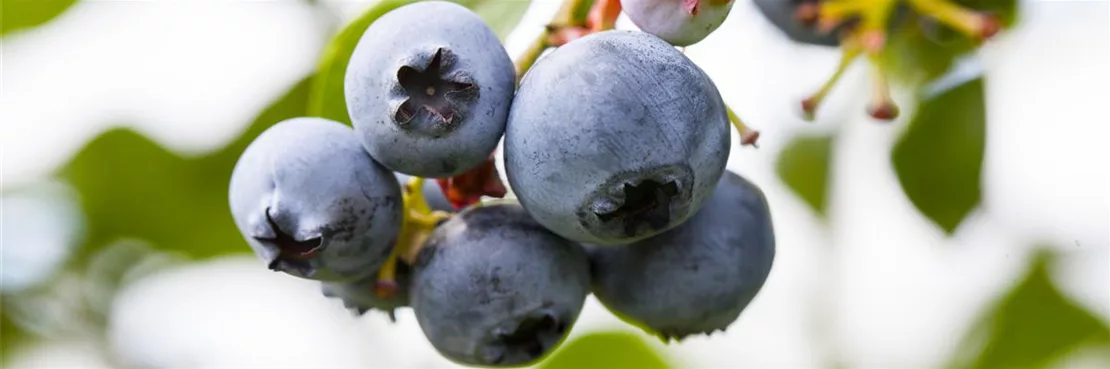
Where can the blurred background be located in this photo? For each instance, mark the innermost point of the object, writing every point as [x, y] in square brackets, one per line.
[974, 231]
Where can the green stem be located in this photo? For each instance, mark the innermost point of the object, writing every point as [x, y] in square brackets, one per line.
[748, 136]
[572, 14]
[529, 57]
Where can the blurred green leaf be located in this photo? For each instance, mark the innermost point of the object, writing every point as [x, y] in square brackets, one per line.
[132, 187]
[327, 97]
[1005, 9]
[581, 12]
[501, 15]
[911, 57]
[940, 156]
[920, 49]
[16, 15]
[9, 333]
[1032, 326]
[804, 166]
[606, 350]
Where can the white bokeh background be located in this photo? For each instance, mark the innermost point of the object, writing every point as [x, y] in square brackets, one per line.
[877, 287]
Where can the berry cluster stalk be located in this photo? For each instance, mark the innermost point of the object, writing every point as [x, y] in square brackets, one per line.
[862, 28]
[418, 221]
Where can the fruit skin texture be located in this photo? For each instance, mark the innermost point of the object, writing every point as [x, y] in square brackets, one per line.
[679, 22]
[333, 212]
[615, 137]
[432, 47]
[492, 287]
[698, 277]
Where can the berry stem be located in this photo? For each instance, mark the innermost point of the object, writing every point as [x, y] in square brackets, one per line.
[882, 105]
[530, 55]
[386, 285]
[470, 187]
[495, 201]
[603, 15]
[869, 36]
[850, 49]
[419, 220]
[807, 12]
[836, 11]
[976, 25]
[876, 13]
[561, 29]
[417, 223]
[573, 12]
[748, 136]
[872, 37]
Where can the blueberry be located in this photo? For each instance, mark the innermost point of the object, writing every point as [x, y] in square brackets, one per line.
[432, 193]
[492, 287]
[428, 89]
[698, 277]
[795, 19]
[615, 137]
[312, 203]
[359, 296]
[680, 23]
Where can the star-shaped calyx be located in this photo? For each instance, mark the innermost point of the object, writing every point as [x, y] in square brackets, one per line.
[436, 93]
[648, 202]
[292, 254]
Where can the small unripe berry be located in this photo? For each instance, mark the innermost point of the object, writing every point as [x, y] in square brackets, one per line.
[679, 22]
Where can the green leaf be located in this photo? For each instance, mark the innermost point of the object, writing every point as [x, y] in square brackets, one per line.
[1032, 326]
[804, 166]
[911, 57]
[501, 15]
[940, 156]
[131, 187]
[17, 15]
[1005, 9]
[606, 350]
[327, 98]
[10, 337]
[920, 49]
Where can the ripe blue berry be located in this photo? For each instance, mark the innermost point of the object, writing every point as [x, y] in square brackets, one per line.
[428, 89]
[312, 203]
[492, 287]
[615, 137]
[698, 277]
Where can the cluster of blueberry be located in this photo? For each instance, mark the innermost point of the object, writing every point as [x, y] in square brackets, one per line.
[615, 147]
